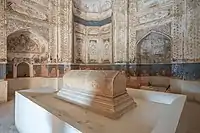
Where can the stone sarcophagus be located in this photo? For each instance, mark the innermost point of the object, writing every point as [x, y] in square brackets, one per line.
[103, 92]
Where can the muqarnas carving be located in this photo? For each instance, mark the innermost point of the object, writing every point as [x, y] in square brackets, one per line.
[155, 47]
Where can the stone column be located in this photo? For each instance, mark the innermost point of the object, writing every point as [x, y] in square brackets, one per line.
[31, 70]
[120, 30]
[86, 45]
[66, 31]
[132, 31]
[3, 47]
[53, 29]
[177, 31]
[14, 70]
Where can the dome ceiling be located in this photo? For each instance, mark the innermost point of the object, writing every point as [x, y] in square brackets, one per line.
[93, 6]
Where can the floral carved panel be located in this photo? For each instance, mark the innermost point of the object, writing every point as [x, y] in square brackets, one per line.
[154, 48]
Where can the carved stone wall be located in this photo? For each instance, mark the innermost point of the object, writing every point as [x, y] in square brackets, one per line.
[155, 48]
[146, 17]
[120, 30]
[3, 50]
[92, 44]
[192, 35]
[92, 31]
[65, 31]
[27, 31]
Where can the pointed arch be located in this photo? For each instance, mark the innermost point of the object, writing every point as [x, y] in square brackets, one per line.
[154, 47]
[23, 70]
[156, 32]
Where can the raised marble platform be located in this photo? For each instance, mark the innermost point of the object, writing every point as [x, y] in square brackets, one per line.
[38, 111]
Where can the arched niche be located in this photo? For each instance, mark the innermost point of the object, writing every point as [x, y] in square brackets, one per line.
[23, 70]
[154, 47]
[27, 44]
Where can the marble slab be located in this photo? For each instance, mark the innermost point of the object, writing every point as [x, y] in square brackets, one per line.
[40, 112]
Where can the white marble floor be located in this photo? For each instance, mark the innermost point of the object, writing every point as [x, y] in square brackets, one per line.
[192, 115]
[7, 118]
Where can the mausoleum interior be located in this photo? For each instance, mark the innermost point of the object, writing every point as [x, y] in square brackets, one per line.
[118, 55]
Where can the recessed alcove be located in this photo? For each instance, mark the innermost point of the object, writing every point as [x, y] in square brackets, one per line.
[23, 70]
[92, 31]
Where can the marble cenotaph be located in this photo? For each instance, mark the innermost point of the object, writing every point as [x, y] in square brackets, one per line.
[103, 92]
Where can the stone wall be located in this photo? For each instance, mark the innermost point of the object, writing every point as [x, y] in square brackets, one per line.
[3, 50]
[164, 27]
[37, 33]
[147, 38]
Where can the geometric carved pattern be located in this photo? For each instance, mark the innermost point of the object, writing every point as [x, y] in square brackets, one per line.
[177, 30]
[192, 47]
[66, 33]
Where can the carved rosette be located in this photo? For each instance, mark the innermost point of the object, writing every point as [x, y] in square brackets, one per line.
[120, 30]
[3, 49]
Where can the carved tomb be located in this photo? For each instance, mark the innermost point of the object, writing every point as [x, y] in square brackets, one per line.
[103, 92]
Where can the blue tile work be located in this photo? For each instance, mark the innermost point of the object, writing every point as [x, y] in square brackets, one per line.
[2, 71]
[191, 71]
[186, 71]
[132, 70]
[178, 70]
[150, 70]
[92, 23]
[161, 70]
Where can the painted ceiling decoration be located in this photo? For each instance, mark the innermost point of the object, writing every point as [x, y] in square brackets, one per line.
[93, 6]
[23, 8]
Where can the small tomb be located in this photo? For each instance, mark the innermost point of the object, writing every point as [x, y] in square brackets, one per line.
[103, 92]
